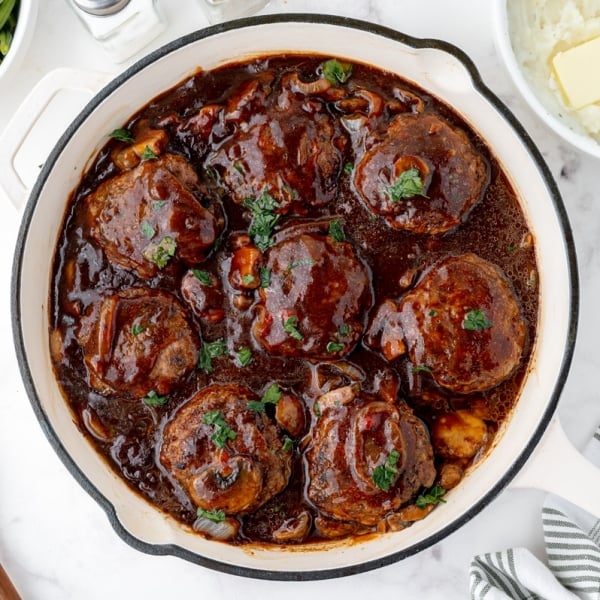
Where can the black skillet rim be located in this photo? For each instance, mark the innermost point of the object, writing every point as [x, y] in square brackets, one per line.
[174, 550]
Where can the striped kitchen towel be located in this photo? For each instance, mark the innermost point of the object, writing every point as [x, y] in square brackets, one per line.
[572, 539]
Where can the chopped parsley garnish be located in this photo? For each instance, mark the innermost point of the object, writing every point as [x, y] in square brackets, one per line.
[161, 253]
[336, 231]
[386, 474]
[222, 433]
[271, 395]
[153, 399]
[317, 409]
[248, 279]
[432, 313]
[137, 329]
[344, 330]
[239, 167]
[264, 219]
[511, 248]
[348, 167]
[209, 351]
[337, 71]
[301, 262]
[216, 515]
[421, 369]
[158, 204]
[256, 406]
[407, 185]
[432, 496]
[122, 135]
[476, 320]
[334, 347]
[244, 356]
[148, 154]
[290, 327]
[202, 276]
[265, 277]
[148, 230]
[288, 443]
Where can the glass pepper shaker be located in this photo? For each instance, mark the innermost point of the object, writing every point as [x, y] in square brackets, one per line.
[123, 27]
[218, 11]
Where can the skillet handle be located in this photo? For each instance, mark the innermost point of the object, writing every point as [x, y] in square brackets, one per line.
[556, 466]
[38, 123]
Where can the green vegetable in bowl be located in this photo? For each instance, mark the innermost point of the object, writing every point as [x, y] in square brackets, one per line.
[8, 22]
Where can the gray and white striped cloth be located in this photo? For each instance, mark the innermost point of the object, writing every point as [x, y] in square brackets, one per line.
[572, 572]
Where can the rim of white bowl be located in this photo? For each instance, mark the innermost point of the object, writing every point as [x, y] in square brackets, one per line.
[26, 20]
[504, 45]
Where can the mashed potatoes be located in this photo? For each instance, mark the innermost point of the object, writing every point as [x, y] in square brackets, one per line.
[540, 29]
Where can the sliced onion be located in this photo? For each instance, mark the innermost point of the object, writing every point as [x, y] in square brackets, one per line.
[223, 530]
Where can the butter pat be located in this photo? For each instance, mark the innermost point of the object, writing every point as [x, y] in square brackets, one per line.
[578, 72]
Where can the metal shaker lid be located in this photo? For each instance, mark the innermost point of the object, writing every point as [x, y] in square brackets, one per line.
[101, 8]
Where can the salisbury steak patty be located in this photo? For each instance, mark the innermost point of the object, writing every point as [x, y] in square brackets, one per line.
[318, 294]
[356, 440]
[225, 455]
[144, 217]
[463, 322]
[423, 175]
[136, 341]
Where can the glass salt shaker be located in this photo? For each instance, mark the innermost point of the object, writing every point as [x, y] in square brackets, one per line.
[218, 11]
[123, 27]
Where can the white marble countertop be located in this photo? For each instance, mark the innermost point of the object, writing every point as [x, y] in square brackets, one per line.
[56, 542]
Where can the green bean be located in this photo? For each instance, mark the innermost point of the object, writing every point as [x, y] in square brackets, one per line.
[8, 22]
[6, 7]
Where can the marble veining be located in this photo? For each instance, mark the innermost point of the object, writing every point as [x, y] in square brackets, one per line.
[56, 542]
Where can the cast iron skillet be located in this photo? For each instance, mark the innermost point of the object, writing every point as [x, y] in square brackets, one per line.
[439, 68]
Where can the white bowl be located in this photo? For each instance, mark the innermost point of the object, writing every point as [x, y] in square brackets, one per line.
[551, 112]
[23, 33]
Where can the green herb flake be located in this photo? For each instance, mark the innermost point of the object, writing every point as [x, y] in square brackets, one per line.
[244, 356]
[333, 347]
[256, 406]
[239, 167]
[288, 443]
[290, 326]
[272, 395]
[203, 277]
[137, 329]
[158, 204]
[344, 330]
[248, 279]
[215, 515]
[264, 219]
[421, 369]
[148, 154]
[336, 231]
[348, 168]
[161, 253]
[300, 263]
[511, 248]
[265, 277]
[122, 135]
[317, 409]
[432, 496]
[385, 475]
[336, 71]
[222, 433]
[476, 320]
[210, 351]
[148, 230]
[153, 399]
[407, 185]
